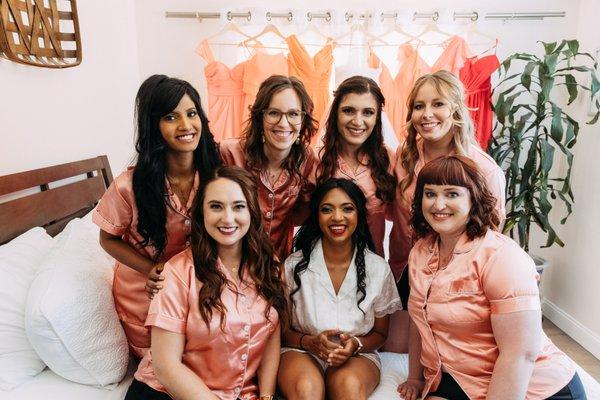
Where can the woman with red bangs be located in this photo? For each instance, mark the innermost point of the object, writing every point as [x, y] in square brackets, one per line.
[474, 303]
[275, 148]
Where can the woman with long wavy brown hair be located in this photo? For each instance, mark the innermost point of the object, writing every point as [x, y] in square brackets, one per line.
[353, 149]
[216, 323]
[275, 148]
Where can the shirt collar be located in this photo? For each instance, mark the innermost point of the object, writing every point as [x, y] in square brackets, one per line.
[463, 245]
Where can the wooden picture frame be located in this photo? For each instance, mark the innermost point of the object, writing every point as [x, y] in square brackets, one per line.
[42, 33]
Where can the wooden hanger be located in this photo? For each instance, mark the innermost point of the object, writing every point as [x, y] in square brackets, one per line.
[357, 28]
[229, 27]
[269, 28]
[394, 28]
[311, 28]
[472, 31]
[433, 27]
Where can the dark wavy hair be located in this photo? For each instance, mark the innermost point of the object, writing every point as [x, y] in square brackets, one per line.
[252, 142]
[158, 96]
[258, 255]
[309, 233]
[457, 170]
[373, 147]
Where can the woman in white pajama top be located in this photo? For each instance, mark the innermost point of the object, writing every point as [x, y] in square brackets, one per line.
[341, 294]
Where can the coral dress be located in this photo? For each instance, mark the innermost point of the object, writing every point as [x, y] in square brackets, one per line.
[225, 95]
[476, 76]
[396, 89]
[258, 68]
[314, 72]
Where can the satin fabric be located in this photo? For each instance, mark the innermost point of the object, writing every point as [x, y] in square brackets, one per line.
[376, 208]
[117, 214]
[476, 76]
[401, 235]
[226, 361]
[452, 307]
[314, 72]
[284, 204]
[397, 89]
[225, 95]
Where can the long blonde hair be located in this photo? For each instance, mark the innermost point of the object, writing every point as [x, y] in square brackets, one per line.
[450, 87]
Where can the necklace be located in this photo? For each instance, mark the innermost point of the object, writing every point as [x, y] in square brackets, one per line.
[181, 189]
[274, 175]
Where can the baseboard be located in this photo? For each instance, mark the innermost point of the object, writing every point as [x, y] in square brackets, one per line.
[569, 325]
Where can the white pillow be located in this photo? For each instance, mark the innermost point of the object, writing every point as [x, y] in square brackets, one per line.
[70, 318]
[19, 261]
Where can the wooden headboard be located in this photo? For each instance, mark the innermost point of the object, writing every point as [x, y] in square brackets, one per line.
[51, 207]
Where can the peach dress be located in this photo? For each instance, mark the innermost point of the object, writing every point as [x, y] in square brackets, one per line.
[225, 95]
[258, 68]
[396, 89]
[117, 214]
[452, 308]
[226, 361]
[314, 72]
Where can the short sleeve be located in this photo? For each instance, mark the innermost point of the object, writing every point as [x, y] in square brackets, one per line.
[170, 307]
[509, 280]
[114, 213]
[387, 301]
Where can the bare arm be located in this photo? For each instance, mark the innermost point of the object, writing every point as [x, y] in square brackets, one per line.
[267, 371]
[125, 254]
[181, 383]
[518, 336]
[412, 387]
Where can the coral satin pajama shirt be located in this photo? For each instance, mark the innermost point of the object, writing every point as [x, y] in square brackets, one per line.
[452, 308]
[401, 235]
[117, 214]
[283, 204]
[226, 361]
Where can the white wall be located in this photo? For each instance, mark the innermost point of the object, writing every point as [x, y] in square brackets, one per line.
[50, 116]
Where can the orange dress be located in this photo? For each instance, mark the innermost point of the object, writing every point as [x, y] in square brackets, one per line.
[314, 72]
[258, 68]
[225, 95]
[117, 214]
[396, 89]
[452, 308]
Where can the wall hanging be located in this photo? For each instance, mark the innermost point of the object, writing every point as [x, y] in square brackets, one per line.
[42, 33]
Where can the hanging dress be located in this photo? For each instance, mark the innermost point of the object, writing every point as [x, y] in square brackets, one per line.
[258, 68]
[397, 89]
[314, 72]
[225, 95]
[476, 76]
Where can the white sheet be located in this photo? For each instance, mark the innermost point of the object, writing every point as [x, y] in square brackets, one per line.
[48, 385]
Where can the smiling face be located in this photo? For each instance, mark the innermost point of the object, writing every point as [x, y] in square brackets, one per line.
[338, 217]
[431, 115]
[181, 128]
[446, 208]
[356, 118]
[226, 213]
[280, 136]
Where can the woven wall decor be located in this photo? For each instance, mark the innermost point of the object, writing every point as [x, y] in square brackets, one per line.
[44, 33]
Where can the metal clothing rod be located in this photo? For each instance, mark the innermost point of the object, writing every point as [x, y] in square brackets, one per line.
[434, 16]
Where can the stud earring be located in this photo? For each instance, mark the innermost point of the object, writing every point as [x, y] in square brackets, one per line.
[263, 138]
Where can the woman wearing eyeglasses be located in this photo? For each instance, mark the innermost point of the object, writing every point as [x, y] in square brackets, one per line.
[275, 148]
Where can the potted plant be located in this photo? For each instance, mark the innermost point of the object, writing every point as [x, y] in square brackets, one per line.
[533, 131]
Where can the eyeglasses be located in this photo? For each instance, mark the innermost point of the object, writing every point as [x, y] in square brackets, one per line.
[273, 116]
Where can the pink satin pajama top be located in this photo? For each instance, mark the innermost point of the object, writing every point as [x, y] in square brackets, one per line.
[117, 214]
[226, 361]
[452, 309]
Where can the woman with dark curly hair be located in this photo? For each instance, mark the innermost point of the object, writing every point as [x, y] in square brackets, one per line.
[474, 303]
[215, 324]
[275, 148]
[353, 149]
[144, 216]
[341, 297]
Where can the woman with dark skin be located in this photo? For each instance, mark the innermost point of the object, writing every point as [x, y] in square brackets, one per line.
[144, 217]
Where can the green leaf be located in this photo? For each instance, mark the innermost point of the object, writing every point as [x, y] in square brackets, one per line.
[556, 128]
[547, 158]
[570, 135]
[549, 47]
[573, 46]
[568, 204]
[547, 85]
[523, 229]
[551, 61]
[571, 87]
[526, 75]
[595, 86]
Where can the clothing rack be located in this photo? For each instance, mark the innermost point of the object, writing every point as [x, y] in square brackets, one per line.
[349, 16]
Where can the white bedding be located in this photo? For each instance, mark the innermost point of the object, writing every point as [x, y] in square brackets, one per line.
[48, 385]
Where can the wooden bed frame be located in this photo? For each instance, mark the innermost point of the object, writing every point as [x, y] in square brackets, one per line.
[52, 207]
